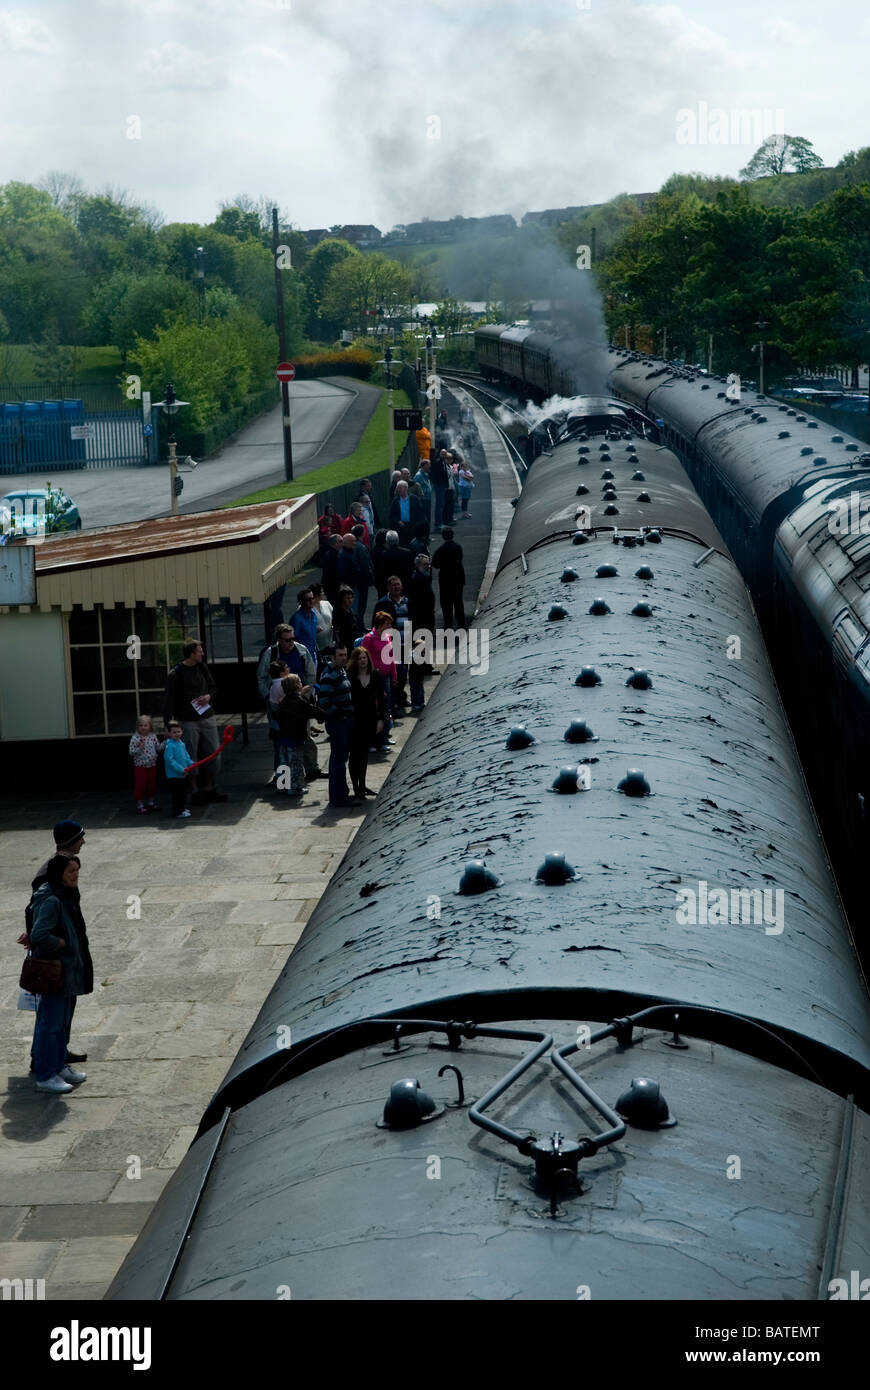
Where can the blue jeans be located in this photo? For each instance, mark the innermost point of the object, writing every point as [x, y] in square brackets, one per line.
[51, 1034]
[415, 681]
[339, 747]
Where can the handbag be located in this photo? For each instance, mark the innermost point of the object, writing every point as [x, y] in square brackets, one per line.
[41, 976]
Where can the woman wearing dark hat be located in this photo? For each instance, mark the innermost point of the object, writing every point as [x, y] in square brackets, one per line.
[59, 933]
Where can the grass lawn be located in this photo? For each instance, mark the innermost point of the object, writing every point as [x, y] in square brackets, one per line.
[96, 363]
[370, 456]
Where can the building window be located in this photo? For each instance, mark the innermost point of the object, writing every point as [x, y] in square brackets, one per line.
[119, 660]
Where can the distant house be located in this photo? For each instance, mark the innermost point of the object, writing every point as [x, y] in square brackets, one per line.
[358, 234]
[316, 234]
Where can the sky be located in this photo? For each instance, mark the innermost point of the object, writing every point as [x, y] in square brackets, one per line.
[364, 111]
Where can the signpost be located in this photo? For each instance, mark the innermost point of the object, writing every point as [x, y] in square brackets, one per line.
[407, 419]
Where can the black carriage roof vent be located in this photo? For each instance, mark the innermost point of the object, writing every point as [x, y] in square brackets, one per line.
[800, 417]
[784, 434]
[836, 439]
[588, 676]
[581, 491]
[519, 737]
[820, 460]
[578, 731]
[654, 535]
[579, 538]
[567, 782]
[555, 870]
[812, 424]
[705, 386]
[642, 610]
[611, 509]
[805, 450]
[605, 458]
[761, 419]
[569, 575]
[644, 573]
[598, 608]
[720, 395]
[557, 613]
[608, 474]
[408, 1106]
[638, 477]
[583, 449]
[634, 783]
[748, 410]
[477, 878]
[640, 680]
[606, 572]
[631, 448]
[851, 448]
[791, 412]
[644, 1106]
[644, 497]
[603, 448]
[581, 461]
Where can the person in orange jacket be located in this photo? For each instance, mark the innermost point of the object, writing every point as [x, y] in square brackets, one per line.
[424, 442]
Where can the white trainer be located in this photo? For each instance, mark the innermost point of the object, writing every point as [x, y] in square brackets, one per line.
[73, 1077]
[55, 1084]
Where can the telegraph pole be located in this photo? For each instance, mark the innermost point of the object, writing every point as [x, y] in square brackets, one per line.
[762, 324]
[282, 351]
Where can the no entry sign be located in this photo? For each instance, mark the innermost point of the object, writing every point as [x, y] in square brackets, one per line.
[285, 371]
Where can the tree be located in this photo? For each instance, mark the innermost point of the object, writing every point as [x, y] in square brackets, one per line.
[214, 367]
[778, 151]
[232, 221]
[364, 282]
[63, 189]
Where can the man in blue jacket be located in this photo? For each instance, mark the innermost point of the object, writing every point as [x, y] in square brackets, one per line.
[336, 701]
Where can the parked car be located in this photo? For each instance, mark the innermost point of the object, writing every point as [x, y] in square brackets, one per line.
[38, 512]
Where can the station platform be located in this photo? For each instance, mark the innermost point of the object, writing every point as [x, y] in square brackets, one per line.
[190, 923]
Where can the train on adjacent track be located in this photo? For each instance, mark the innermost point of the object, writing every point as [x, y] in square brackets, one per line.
[791, 497]
[579, 1014]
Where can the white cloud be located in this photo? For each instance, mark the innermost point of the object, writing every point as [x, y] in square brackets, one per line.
[22, 33]
[175, 65]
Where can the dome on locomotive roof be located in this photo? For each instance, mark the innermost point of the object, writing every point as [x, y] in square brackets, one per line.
[557, 613]
[477, 878]
[569, 575]
[611, 509]
[519, 737]
[588, 676]
[567, 781]
[606, 572]
[579, 538]
[408, 1105]
[555, 870]
[581, 490]
[644, 497]
[578, 731]
[638, 477]
[642, 610]
[634, 783]
[644, 573]
[608, 473]
[644, 1106]
[598, 608]
[640, 680]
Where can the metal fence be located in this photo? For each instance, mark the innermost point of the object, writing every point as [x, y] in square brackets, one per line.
[100, 396]
[63, 436]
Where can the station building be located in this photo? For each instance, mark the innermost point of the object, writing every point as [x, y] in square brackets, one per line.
[113, 608]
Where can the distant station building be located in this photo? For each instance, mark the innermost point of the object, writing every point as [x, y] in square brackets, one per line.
[113, 608]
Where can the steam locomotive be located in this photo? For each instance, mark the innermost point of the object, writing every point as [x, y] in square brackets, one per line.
[558, 1025]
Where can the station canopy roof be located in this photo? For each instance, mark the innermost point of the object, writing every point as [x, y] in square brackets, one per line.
[234, 553]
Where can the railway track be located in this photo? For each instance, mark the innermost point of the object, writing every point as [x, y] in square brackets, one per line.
[489, 400]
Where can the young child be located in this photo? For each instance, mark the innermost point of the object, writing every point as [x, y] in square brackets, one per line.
[465, 482]
[277, 671]
[176, 762]
[292, 715]
[144, 747]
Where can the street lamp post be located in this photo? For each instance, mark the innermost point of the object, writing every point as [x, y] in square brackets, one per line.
[171, 406]
[200, 280]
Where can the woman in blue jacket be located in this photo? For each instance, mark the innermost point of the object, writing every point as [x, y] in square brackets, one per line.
[59, 933]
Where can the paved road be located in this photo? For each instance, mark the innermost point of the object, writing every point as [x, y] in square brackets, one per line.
[254, 459]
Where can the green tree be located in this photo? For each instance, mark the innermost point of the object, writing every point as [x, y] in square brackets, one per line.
[232, 221]
[777, 152]
[364, 282]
